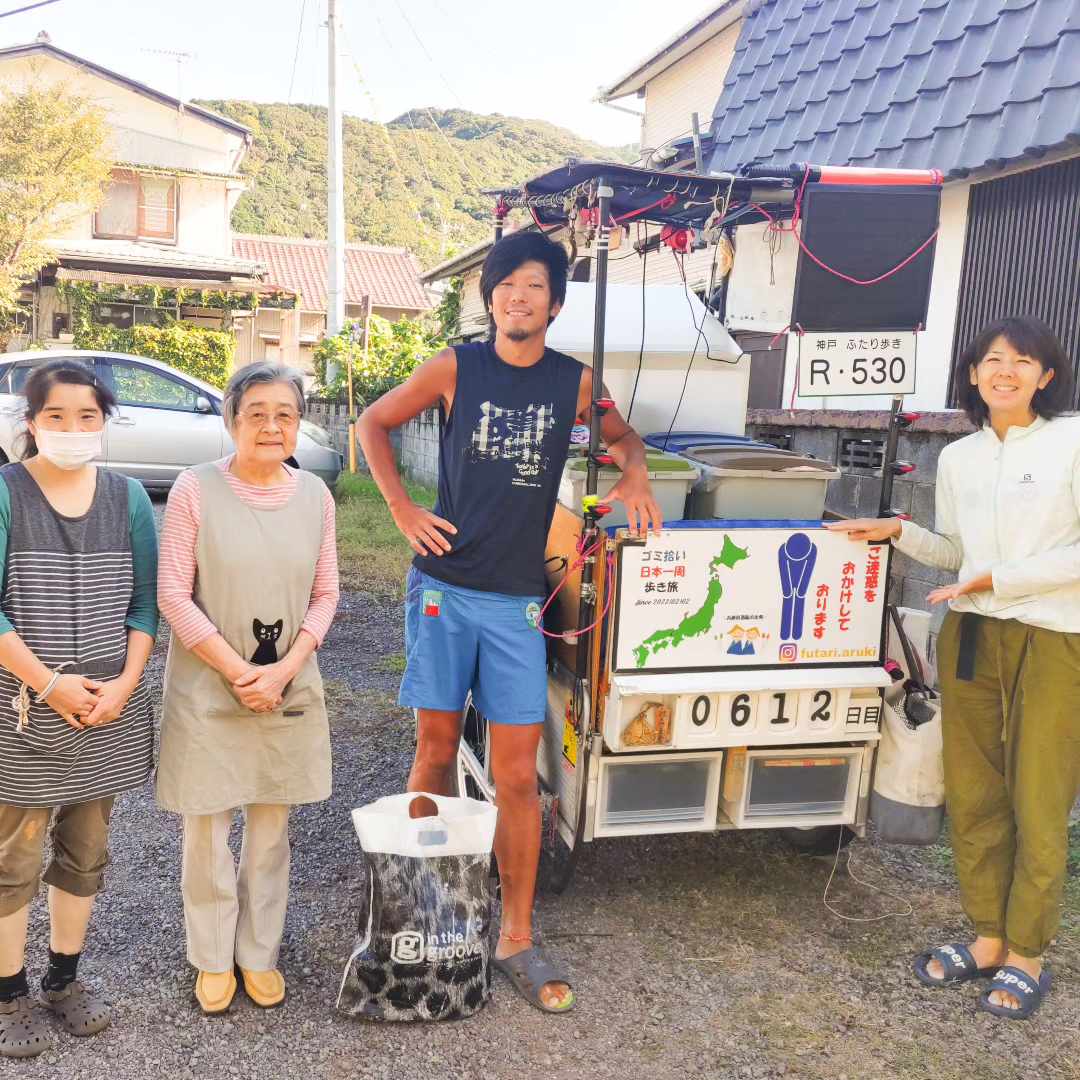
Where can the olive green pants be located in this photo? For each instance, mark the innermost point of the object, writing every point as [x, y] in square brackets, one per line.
[1012, 774]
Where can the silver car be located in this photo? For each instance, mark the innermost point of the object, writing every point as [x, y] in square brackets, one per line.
[166, 420]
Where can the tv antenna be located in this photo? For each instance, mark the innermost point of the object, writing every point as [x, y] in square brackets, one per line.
[181, 59]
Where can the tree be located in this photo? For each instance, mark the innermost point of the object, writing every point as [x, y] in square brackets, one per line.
[53, 168]
[394, 352]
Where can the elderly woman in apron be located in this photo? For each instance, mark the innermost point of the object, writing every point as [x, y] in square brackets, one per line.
[78, 553]
[249, 585]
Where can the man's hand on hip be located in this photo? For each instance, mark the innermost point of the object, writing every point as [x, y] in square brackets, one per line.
[423, 529]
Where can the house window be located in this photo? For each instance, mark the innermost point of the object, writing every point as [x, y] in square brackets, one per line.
[137, 208]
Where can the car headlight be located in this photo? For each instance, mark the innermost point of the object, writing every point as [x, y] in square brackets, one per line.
[317, 434]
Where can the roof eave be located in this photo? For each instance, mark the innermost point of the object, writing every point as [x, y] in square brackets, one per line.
[131, 84]
[718, 19]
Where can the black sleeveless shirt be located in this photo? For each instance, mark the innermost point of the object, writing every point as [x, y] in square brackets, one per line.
[501, 456]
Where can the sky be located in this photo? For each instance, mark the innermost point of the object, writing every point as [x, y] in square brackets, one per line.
[542, 60]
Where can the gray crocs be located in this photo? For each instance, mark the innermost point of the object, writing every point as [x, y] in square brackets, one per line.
[530, 971]
[23, 1032]
[79, 1011]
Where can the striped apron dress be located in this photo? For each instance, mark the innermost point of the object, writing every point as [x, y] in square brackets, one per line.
[67, 587]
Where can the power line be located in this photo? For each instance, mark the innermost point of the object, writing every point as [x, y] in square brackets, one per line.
[26, 7]
[431, 59]
[431, 116]
[296, 55]
[402, 174]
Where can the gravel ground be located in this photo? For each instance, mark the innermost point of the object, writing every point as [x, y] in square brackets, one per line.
[697, 956]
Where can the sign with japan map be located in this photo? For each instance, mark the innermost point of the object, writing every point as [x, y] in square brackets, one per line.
[717, 599]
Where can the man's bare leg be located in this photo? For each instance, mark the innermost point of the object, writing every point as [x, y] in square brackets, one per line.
[437, 737]
[517, 839]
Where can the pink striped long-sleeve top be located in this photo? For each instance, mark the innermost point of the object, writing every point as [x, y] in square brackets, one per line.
[177, 566]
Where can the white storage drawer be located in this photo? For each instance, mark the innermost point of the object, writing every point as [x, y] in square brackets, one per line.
[657, 793]
[819, 785]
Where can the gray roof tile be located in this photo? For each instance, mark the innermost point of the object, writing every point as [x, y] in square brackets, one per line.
[957, 85]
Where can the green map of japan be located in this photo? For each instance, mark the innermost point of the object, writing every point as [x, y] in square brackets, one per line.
[698, 622]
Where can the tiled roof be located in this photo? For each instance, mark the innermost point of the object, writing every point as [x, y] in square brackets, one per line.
[957, 85]
[391, 275]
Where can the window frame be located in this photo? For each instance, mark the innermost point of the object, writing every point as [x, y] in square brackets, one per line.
[108, 363]
[120, 176]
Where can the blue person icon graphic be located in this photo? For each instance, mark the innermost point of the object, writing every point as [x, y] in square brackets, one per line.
[796, 557]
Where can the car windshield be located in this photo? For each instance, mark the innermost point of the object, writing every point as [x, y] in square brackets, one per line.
[21, 372]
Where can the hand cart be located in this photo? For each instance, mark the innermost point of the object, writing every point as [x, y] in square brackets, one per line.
[724, 674]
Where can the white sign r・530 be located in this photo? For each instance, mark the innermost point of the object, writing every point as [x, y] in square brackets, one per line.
[846, 365]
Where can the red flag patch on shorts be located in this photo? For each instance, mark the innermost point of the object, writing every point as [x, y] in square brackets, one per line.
[432, 602]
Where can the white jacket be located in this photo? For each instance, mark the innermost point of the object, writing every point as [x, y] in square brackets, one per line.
[1010, 508]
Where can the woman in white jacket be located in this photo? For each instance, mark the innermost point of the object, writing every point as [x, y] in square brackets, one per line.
[1007, 518]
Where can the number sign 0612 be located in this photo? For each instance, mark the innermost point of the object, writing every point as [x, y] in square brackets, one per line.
[846, 365]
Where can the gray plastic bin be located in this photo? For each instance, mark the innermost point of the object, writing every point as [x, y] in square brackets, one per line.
[741, 484]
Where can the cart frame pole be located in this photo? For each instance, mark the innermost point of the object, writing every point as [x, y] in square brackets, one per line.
[889, 459]
[590, 533]
[587, 607]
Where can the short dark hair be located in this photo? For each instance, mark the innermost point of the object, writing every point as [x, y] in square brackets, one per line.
[518, 248]
[1031, 337]
[70, 372]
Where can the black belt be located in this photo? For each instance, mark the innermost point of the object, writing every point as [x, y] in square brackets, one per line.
[969, 639]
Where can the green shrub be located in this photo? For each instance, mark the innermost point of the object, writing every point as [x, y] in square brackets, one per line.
[194, 350]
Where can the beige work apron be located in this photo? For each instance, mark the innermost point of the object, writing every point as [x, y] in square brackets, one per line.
[255, 570]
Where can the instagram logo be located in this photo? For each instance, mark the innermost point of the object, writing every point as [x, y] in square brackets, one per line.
[789, 652]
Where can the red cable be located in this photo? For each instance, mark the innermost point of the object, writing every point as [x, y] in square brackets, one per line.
[664, 203]
[577, 564]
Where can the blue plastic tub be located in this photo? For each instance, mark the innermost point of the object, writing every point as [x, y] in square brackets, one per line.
[678, 441]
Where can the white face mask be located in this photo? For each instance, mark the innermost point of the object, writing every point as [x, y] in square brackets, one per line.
[69, 449]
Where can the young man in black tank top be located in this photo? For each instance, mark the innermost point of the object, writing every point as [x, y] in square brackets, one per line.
[506, 408]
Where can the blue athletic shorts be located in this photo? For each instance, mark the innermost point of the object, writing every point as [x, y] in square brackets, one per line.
[457, 640]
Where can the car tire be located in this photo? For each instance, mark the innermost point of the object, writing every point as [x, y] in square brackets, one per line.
[819, 839]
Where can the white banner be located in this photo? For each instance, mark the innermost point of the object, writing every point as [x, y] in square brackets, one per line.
[835, 364]
[745, 597]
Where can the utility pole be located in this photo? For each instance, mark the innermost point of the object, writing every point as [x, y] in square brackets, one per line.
[335, 184]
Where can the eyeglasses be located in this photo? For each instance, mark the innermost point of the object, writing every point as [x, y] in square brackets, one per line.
[260, 418]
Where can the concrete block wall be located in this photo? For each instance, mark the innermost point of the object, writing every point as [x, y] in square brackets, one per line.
[419, 453]
[334, 417]
[857, 492]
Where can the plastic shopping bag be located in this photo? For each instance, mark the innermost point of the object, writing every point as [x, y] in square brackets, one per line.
[422, 949]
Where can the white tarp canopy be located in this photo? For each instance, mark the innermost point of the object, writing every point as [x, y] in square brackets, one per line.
[716, 390]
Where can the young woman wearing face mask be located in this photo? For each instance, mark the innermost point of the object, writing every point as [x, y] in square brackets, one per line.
[78, 615]
[1008, 519]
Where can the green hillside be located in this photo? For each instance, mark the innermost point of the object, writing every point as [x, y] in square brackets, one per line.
[414, 182]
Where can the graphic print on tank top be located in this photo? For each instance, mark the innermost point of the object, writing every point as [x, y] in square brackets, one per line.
[266, 634]
[515, 435]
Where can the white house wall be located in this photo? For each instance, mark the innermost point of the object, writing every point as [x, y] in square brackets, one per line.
[144, 131]
[690, 85]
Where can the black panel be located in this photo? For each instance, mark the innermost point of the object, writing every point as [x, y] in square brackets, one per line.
[864, 232]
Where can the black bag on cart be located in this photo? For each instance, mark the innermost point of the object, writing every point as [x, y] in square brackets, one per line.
[423, 947]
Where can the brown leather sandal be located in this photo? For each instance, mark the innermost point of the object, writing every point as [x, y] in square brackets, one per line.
[79, 1010]
[23, 1031]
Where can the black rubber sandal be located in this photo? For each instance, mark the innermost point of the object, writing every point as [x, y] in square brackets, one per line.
[530, 971]
[23, 1031]
[959, 965]
[1028, 992]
